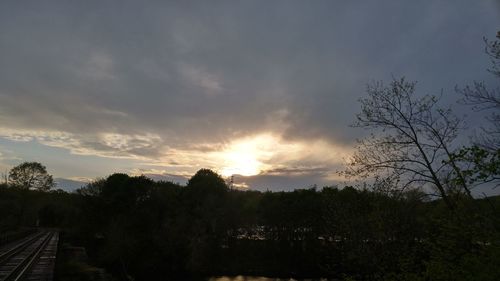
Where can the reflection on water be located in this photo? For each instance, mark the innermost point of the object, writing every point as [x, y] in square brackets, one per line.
[254, 278]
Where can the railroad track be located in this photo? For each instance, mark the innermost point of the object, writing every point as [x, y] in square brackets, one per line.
[32, 258]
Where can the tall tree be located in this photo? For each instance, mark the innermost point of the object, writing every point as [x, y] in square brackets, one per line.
[413, 139]
[483, 99]
[481, 160]
[31, 175]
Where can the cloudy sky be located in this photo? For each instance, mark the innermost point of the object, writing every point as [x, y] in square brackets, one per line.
[263, 89]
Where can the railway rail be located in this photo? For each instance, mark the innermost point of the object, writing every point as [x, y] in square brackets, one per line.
[32, 258]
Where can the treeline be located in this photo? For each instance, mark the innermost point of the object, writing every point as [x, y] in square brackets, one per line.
[145, 230]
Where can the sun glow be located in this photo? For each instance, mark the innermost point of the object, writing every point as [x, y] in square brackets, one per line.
[247, 156]
[269, 153]
[241, 163]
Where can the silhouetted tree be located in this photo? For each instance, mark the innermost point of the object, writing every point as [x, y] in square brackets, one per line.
[31, 175]
[482, 159]
[413, 140]
[483, 99]
[207, 179]
[206, 195]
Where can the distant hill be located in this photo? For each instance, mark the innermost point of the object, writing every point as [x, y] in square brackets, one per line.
[72, 185]
[168, 177]
[68, 185]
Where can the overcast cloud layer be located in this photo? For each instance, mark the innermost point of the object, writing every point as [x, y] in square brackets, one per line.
[167, 87]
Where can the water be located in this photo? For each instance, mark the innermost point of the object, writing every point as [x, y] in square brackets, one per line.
[256, 278]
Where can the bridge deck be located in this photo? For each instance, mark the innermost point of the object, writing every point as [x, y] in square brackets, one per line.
[31, 258]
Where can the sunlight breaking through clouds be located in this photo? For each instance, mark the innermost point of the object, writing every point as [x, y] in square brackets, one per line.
[169, 88]
[266, 153]
[249, 156]
[270, 154]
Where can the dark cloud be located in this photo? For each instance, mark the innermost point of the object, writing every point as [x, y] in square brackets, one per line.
[282, 182]
[297, 171]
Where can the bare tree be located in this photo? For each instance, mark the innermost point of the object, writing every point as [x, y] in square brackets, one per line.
[413, 139]
[483, 99]
[493, 51]
[481, 160]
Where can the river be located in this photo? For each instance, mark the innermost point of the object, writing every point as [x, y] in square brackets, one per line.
[257, 278]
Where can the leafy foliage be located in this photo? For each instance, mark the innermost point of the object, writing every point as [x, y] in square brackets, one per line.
[480, 165]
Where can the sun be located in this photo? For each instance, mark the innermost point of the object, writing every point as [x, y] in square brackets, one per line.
[241, 163]
[246, 156]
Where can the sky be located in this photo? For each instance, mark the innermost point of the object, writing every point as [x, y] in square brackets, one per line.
[265, 90]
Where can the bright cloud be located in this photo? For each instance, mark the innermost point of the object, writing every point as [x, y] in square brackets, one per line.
[111, 145]
[260, 154]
